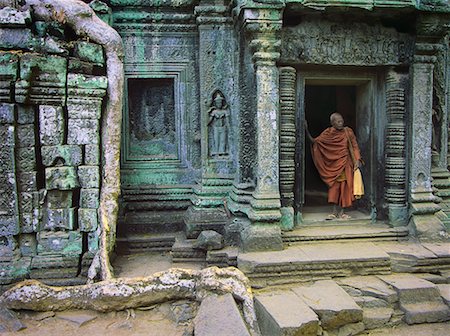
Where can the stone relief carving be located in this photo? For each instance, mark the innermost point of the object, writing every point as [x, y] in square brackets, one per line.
[218, 124]
[352, 43]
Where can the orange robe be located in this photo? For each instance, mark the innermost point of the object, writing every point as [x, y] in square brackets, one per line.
[331, 155]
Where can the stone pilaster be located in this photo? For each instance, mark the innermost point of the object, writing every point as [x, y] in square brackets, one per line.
[423, 207]
[217, 110]
[395, 193]
[287, 145]
[262, 26]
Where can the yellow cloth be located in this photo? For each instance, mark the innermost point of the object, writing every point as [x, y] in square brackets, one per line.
[358, 185]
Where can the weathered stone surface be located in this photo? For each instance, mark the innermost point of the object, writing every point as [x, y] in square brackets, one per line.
[92, 154]
[11, 38]
[261, 238]
[333, 305]
[27, 181]
[7, 138]
[284, 313]
[29, 222]
[9, 319]
[25, 135]
[11, 17]
[209, 240]
[350, 329]
[26, 159]
[65, 243]
[78, 317]
[418, 298]
[7, 113]
[72, 155]
[28, 244]
[182, 312]
[87, 219]
[26, 114]
[54, 266]
[89, 198]
[93, 241]
[58, 199]
[376, 317]
[8, 73]
[83, 132]
[371, 286]
[8, 248]
[84, 108]
[444, 289]
[51, 125]
[8, 195]
[370, 302]
[27, 200]
[61, 178]
[89, 176]
[55, 219]
[86, 81]
[219, 315]
[89, 52]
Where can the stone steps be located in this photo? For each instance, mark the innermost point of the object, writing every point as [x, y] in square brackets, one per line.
[349, 306]
[344, 232]
[312, 262]
[146, 242]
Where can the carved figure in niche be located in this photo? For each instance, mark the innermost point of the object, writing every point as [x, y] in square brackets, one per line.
[336, 156]
[436, 118]
[218, 124]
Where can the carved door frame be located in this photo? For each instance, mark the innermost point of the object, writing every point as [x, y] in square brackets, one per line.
[369, 114]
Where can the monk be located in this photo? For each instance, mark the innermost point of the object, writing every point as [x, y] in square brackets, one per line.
[335, 164]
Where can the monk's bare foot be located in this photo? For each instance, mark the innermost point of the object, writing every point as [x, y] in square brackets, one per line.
[345, 216]
[331, 217]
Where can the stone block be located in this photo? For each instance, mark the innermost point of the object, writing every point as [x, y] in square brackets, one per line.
[9, 65]
[282, 313]
[44, 69]
[28, 245]
[56, 219]
[87, 219]
[78, 66]
[68, 243]
[8, 194]
[444, 289]
[11, 38]
[374, 318]
[261, 238]
[61, 178]
[89, 52]
[54, 266]
[26, 159]
[371, 286]
[9, 249]
[83, 132]
[84, 108]
[93, 241]
[81, 81]
[51, 125]
[89, 176]
[29, 222]
[333, 305]
[9, 225]
[26, 136]
[58, 199]
[11, 17]
[7, 143]
[27, 201]
[209, 240]
[90, 198]
[71, 155]
[7, 113]
[92, 154]
[27, 181]
[220, 316]
[26, 114]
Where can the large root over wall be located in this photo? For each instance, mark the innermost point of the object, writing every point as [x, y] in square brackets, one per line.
[122, 293]
[82, 19]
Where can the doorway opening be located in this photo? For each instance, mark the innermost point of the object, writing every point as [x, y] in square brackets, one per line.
[320, 101]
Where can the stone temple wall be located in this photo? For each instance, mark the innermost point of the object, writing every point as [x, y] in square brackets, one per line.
[52, 87]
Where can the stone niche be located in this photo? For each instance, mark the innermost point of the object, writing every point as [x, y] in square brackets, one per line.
[51, 94]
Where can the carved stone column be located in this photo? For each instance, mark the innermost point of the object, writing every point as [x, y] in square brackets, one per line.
[423, 207]
[287, 145]
[395, 194]
[262, 27]
[217, 109]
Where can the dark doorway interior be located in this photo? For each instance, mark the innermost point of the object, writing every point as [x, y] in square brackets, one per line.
[320, 102]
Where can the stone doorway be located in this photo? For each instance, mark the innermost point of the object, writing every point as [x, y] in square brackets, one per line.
[317, 99]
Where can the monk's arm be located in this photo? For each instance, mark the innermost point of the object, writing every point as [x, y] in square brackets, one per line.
[308, 135]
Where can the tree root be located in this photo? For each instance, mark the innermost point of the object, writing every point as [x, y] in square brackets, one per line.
[123, 293]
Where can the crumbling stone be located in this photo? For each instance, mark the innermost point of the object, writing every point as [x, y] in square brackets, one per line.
[209, 240]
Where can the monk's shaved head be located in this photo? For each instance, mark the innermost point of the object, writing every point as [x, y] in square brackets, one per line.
[334, 115]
